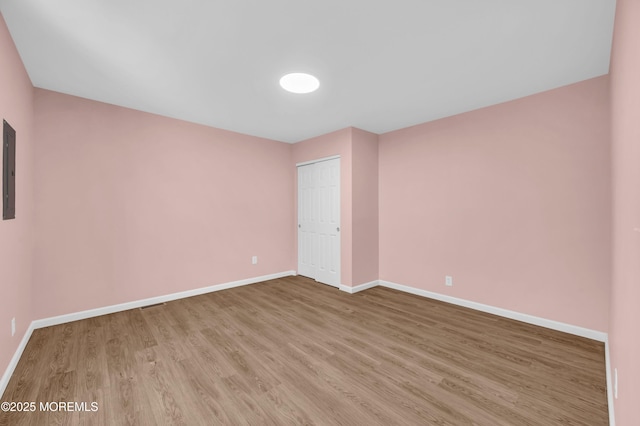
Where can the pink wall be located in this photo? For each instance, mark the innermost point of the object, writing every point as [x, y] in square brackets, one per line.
[334, 143]
[133, 205]
[365, 206]
[16, 236]
[625, 296]
[511, 200]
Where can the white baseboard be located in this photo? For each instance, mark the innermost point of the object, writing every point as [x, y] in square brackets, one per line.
[358, 288]
[530, 319]
[47, 322]
[62, 319]
[607, 358]
[14, 361]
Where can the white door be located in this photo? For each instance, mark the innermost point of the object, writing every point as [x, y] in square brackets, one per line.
[319, 221]
[307, 221]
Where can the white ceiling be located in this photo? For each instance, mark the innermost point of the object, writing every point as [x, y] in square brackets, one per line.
[382, 65]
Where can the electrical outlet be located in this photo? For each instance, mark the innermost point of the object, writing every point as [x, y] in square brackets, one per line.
[13, 327]
[448, 280]
[254, 260]
[615, 383]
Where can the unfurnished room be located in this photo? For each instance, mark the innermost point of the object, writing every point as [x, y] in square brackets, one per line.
[283, 212]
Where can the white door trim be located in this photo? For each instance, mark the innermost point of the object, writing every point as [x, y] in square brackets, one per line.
[306, 163]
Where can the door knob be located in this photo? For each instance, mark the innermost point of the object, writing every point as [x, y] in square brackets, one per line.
[299, 226]
[338, 229]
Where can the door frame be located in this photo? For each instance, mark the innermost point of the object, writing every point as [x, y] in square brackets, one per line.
[319, 160]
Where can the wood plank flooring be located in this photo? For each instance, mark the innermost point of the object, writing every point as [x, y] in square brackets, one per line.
[292, 351]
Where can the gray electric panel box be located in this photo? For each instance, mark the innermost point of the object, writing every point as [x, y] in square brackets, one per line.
[8, 171]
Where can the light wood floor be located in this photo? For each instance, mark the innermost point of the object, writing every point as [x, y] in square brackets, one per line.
[291, 351]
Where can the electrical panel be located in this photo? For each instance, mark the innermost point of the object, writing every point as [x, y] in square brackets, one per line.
[8, 171]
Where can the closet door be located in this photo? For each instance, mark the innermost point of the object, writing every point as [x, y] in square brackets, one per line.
[307, 221]
[319, 221]
[328, 230]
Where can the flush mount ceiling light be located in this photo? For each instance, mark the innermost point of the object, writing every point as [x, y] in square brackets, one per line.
[299, 82]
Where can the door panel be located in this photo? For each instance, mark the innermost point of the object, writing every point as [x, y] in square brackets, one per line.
[319, 221]
[306, 223]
